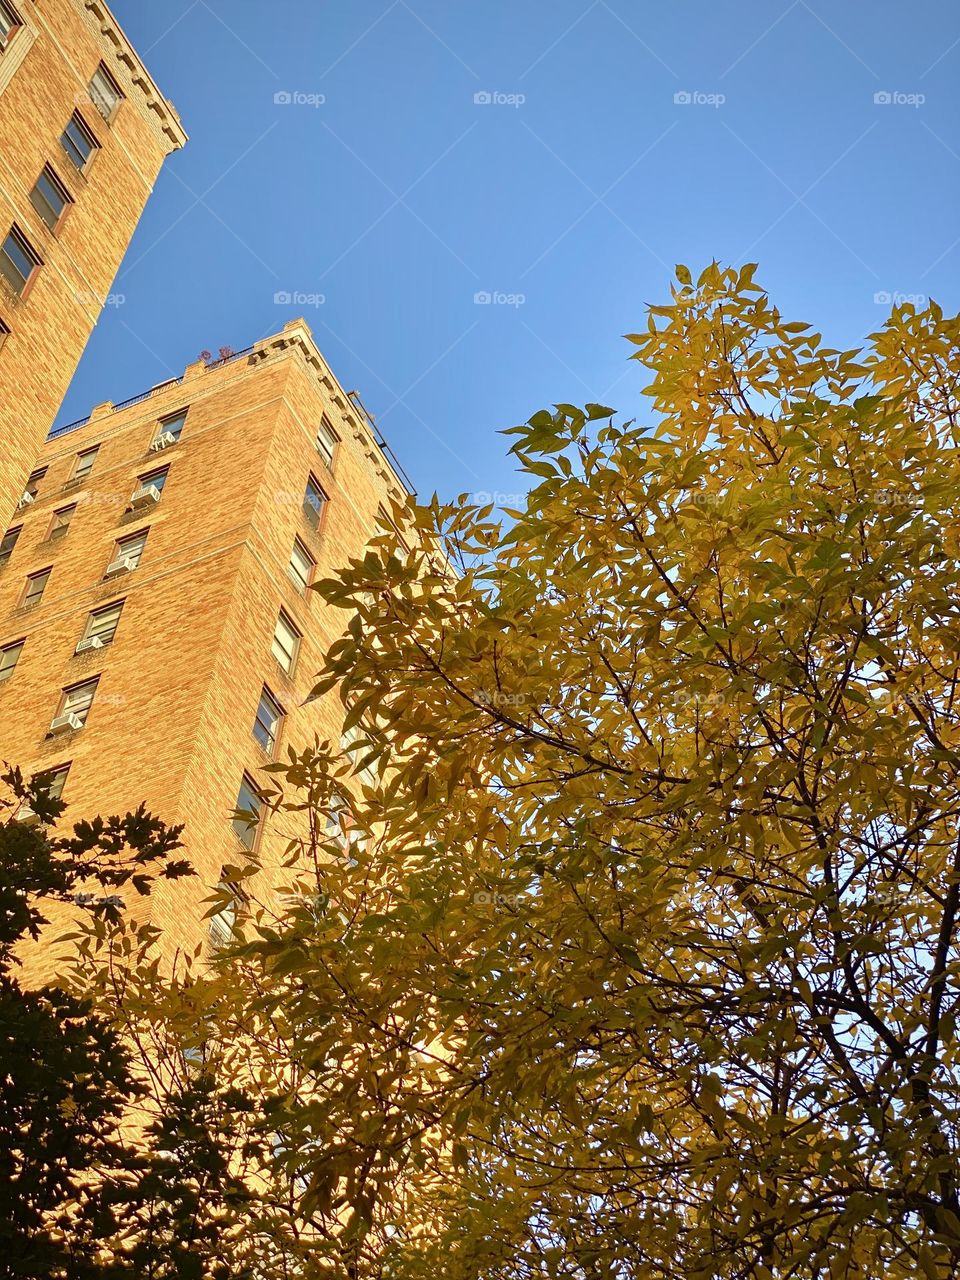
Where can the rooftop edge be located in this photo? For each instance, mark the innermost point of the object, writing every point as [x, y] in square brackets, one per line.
[294, 334]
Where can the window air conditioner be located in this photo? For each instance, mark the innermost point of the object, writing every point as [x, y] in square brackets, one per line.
[65, 723]
[145, 496]
[122, 565]
[164, 439]
[91, 642]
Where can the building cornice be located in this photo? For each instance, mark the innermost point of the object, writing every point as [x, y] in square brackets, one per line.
[298, 335]
[110, 29]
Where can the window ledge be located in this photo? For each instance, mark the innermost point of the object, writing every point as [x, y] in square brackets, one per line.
[89, 654]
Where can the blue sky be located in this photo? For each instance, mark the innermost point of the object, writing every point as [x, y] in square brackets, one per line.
[567, 196]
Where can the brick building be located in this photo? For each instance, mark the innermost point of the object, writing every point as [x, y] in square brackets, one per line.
[83, 134]
[157, 638]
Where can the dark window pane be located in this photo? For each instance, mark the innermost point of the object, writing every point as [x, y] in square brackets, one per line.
[48, 199]
[17, 261]
[250, 803]
[8, 542]
[77, 142]
[9, 658]
[267, 724]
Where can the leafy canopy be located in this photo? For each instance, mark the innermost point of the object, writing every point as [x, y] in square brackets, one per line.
[645, 964]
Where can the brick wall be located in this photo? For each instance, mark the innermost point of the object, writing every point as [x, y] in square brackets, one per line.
[172, 720]
[45, 72]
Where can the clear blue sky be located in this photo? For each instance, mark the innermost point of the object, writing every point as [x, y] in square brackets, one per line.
[400, 197]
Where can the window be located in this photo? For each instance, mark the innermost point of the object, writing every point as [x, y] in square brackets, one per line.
[50, 198]
[223, 923]
[130, 549]
[105, 92]
[35, 586]
[78, 142]
[84, 464]
[49, 783]
[340, 827]
[302, 565]
[349, 745]
[249, 811]
[102, 624]
[286, 642]
[19, 261]
[61, 521]
[148, 485]
[9, 657]
[313, 502]
[327, 441]
[9, 23]
[78, 700]
[52, 780]
[173, 425]
[8, 542]
[33, 486]
[4, 334]
[266, 727]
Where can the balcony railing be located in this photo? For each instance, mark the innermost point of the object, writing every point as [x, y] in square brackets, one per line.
[62, 430]
[381, 441]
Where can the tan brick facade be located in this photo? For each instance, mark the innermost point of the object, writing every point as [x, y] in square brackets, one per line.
[179, 685]
[47, 64]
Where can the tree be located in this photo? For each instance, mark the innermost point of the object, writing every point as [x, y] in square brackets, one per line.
[642, 959]
[91, 1186]
[669, 877]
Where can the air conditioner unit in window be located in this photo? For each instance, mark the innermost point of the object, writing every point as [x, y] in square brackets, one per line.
[91, 642]
[25, 500]
[66, 723]
[26, 815]
[164, 439]
[145, 496]
[121, 565]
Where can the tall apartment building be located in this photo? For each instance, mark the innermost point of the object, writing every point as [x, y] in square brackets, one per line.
[83, 134]
[157, 638]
